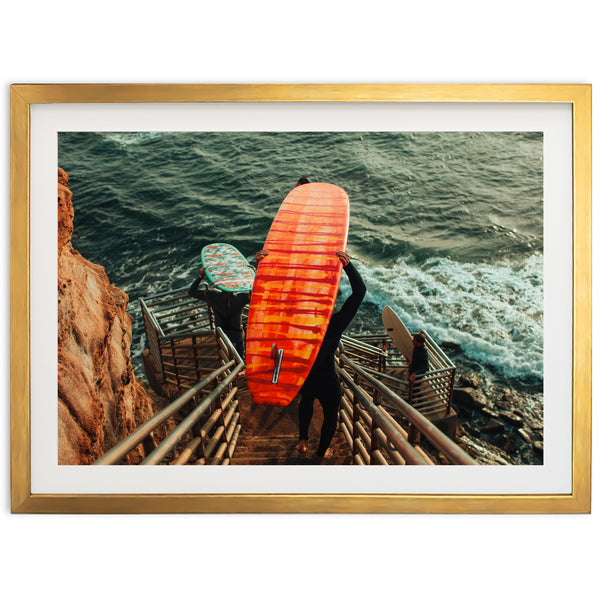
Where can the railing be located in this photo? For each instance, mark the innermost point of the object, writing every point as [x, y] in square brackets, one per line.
[375, 436]
[180, 336]
[431, 392]
[209, 431]
[369, 351]
[171, 316]
[185, 360]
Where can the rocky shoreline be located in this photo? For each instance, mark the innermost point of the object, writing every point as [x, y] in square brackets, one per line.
[494, 422]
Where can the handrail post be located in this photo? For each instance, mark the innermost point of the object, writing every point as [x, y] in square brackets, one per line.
[211, 318]
[231, 353]
[374, 441]
[149, 444]
[355, 420]
[413, 432]
[451, 393]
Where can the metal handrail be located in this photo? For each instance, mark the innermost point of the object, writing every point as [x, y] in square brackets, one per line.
[120, 450]
[383, 422]
[362, 345]
[437, 438]
[236, 364]
[188, 334]
[150, 316]
[228, 343]
[434, 345]
[177, 434]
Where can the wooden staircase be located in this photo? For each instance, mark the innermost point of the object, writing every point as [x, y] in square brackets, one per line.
[281, 450]
[269, 435]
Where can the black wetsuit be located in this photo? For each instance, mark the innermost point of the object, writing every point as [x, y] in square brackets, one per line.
[420, 360]
[419, 365]
[322, 382]
[302, 181]
[227, 308]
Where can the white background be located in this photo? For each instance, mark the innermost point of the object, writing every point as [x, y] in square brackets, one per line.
[291, 556]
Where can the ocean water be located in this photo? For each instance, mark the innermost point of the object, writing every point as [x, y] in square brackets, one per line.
[447, 228]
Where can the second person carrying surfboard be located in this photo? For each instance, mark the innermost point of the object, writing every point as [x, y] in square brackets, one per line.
[292, 335]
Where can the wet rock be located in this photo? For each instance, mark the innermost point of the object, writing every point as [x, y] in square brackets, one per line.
[450, 345]
[524, 435]
[485, 453]
[471, 430]
[539, 447]
[468, 397]
[509, 398]
[490, 413]
[470, 380]
[503, 405]
[536, 389]
[512, 418]
[507, 444]
[492, 426]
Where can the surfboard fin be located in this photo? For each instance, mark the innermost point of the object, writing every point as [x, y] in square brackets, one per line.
[277, 356]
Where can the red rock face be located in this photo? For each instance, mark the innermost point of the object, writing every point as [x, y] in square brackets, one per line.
[100, 401]
[65, 210]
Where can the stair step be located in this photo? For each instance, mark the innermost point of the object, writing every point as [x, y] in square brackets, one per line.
[245, 454]
[296, 459]
[281, 450]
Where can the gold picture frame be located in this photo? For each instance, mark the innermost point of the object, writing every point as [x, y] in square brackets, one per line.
[22, 498]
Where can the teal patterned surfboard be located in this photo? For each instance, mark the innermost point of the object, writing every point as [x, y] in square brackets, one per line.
[226, 268]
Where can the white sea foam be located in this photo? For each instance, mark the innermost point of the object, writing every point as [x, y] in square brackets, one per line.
[493, 311]
[130, 138]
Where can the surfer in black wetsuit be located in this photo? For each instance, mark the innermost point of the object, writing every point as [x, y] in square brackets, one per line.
[420, 359]
[226, 307]
[322, 382]
[419, 365]
[302, 180]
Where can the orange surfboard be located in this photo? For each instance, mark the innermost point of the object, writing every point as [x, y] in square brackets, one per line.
[294, 291]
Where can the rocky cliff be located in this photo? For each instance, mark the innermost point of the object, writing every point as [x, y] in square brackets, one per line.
[100, 401]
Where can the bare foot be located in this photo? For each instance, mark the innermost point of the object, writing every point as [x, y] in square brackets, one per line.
[302, 446]
[328, 453]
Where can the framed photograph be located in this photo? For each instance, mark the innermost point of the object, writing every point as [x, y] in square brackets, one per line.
[460, 383]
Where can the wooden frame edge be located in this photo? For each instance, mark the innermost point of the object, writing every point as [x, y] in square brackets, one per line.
[306, 92]
[303, 503]
[582, 294]
[20, 432]
[22, 501]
